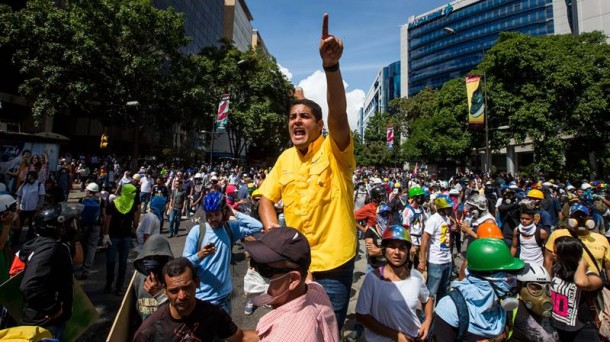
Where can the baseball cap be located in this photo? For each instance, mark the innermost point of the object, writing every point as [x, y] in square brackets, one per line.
[136, 177]
[281, 244]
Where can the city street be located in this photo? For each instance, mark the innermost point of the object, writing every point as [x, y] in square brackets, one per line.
[108, 304]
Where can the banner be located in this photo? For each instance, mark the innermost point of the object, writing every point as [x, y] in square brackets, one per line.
[476, 101]
[222, 117]
[390, 136]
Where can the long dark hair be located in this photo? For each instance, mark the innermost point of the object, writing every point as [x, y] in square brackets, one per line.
[568, 251]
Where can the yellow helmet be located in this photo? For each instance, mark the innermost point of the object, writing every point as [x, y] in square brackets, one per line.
[535, 193]
[256, 193]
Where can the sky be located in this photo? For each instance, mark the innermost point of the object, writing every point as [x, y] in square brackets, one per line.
[370, 30]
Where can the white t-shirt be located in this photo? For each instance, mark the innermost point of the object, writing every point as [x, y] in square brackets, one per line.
[392, 304]
[440, 233]
[146, 184]
[415, 219]
[149, 224]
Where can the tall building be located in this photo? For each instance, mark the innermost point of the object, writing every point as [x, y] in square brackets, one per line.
[203, 21]
[237, 26]
[449, 41]
[384, 89]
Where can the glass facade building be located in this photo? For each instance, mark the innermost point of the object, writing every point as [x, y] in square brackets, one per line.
[448, 42]
[384, 89]
[203, 21]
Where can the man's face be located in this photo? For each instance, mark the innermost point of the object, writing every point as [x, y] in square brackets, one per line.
[180, 291]
[279, 284]
[303, 126]
[214, 218]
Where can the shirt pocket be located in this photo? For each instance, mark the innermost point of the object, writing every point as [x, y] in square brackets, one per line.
[320, 186]
[289, 191]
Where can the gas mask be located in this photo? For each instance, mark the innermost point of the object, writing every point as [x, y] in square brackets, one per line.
[536, 298]
[509, 197]
[581, 224]
[471, 215]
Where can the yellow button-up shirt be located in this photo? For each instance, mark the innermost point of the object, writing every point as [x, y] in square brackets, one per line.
[317, 193]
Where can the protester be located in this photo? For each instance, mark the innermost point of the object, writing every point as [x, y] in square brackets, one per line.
[92, 216]
[476, 308]
[389, 296]
[186, 318]
[209, 244]
[301, 311]
[314, 181]
[571, 287]
[122, 216]
[47, 287]
[30, 199]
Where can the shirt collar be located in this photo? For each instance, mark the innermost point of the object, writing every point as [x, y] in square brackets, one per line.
[312, 148]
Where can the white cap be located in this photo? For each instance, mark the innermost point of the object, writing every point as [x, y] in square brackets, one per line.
[93, 187]
[570, 187]
[5, 202]
[214, 178]
[585, 186]
[198, 175]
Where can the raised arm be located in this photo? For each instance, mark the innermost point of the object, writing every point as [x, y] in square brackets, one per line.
[331, 49]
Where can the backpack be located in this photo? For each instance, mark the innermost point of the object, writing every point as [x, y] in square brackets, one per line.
[462, 311]
[91, 210]
[202, 230]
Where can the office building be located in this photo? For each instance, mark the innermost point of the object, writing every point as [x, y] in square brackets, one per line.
[384, 89]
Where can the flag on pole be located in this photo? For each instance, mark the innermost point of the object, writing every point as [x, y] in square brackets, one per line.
[223, 114]
[390, 136]
[476, 101]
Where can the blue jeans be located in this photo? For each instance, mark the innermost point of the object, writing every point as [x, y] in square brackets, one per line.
[121, 246]
[174, 221]
[338, 286]
[57, 330]
[225, 304]
[144, 199]
[439, 280]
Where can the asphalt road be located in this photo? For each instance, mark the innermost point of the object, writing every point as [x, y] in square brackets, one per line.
[108, 304]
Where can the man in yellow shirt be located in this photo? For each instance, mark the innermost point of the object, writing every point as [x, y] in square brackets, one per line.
[314, 181]
[580, 223]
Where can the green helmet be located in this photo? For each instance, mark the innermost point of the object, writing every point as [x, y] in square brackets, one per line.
[487, 255]
[415, 191]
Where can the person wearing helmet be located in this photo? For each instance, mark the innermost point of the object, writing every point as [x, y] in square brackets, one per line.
[368, 212]
[435, 254]
[531, 322]
[413, 219]
[46, 286]
[580, 226]
[476, 213]
[529, 239]
[534, 201]
[92, 216]
[476, 308]
[208, 247]
[389, 296]
[30, 199]
[198, 192]
[509, 212]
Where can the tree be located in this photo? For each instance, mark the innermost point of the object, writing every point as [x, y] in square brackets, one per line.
[553, 90]
[443, 133]
[260, 96]
[421, 105]
[375, 150]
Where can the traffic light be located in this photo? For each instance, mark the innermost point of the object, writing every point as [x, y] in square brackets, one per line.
[104, 141]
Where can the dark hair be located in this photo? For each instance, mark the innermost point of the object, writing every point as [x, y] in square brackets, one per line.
[177, 266]
[316, 111]
[527, 211]
[568, 251]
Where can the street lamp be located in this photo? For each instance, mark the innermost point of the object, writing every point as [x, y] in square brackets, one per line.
[449, 30]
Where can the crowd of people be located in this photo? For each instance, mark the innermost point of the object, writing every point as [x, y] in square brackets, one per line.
[469, 258]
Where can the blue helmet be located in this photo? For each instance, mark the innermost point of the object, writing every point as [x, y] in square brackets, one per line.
[579, 207]
[383, 209]
[214, 201]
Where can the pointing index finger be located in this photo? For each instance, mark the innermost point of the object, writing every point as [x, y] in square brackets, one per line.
[325, 26]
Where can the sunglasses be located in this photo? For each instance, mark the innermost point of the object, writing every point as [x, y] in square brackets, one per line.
[537, 289]
[268, 272]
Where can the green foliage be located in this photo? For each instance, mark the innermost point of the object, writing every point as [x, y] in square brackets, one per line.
[374, 150]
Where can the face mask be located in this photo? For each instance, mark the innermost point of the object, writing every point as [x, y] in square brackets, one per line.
[536, 298]
[581, 224]
[504, 285]
[266, 298]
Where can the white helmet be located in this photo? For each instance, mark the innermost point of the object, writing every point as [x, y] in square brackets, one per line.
[93, 187]
[454, 191]
[535, 273]
[443, 184]
[198, 175]
[477, 201]
[585, 186]
[6, 201]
